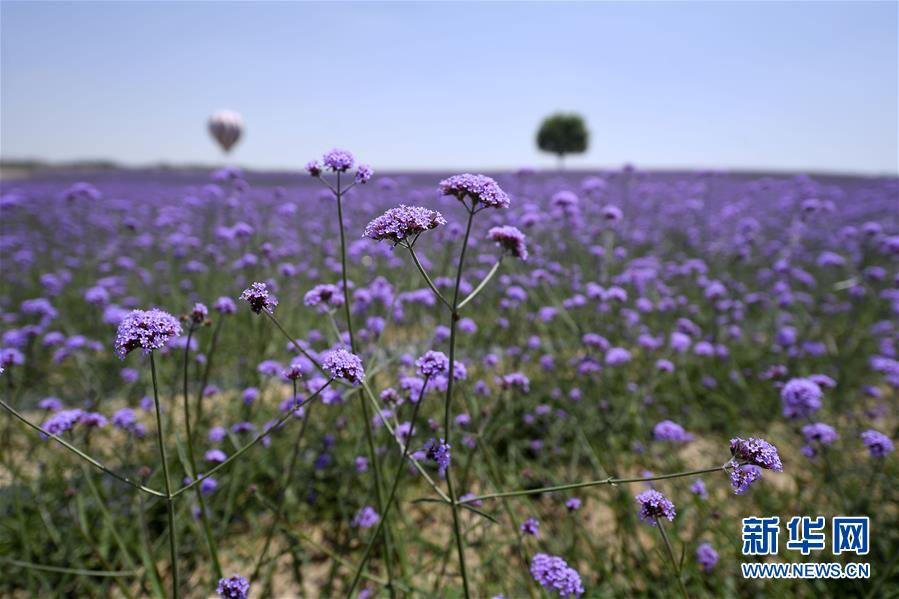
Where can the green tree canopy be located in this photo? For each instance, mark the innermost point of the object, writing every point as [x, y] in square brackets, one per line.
[562, 134]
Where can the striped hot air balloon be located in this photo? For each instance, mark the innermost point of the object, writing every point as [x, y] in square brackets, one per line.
[226, 127]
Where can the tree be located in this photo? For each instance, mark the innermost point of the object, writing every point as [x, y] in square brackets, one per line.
[562, 134]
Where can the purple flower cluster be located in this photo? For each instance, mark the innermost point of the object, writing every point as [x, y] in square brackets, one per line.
[402, 223]
[801, 398]
[667, 430]
[366, 517]
[531, 526]
[324, 296]
[438, 451]
[757, 452]
[233, 587]
[259, 298]
[199, 313]
[707, 557]
[741, 477]
[62, 421]
[554, 573]
[432, 363]
[818, 434]
[878, 444]
[364, 173]
[511, 240]
[342, 364]
[653, 506]
[480, 188]
[339, 161]
[145, 329]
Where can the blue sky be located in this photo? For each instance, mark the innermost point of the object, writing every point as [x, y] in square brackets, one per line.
[787, 86]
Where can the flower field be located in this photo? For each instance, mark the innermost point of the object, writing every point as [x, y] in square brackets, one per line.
[534, 384]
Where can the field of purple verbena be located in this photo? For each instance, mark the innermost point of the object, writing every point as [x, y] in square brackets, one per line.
[657, 317]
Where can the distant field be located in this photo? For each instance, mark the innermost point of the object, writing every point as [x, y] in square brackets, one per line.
[657, 316]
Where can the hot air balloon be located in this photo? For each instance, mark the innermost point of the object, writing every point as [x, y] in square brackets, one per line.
[226, 127]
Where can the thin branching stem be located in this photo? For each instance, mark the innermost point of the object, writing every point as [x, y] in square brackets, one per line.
[674, 563]
[595, 483]
[392, 495]
[427, 278]
[481, 285]
[447, 409]
[169, 500]
[204, 516]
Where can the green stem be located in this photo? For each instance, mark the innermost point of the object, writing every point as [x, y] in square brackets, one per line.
[392, 433]
[674, 564]
[207, 369]
[396, 479]
[481, 285]
[346, 289]
[594, 483]
[427, 278]
[173, 541]
[288, 475]
[447, 408]
[376, 469]
[61, 570]
[204, 517]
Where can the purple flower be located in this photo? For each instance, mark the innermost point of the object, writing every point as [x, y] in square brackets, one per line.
[259, 298]
[666, 366]
[217, 434]
[617, 356]
[756, 451]
[438, 452]
[510, 239]
[516, 379]
[293, 372]
[553, 573]
[51, 404]
[403, 222]
[531, 526]
[93, 420]
[146, 329]
[653, 506]
[314, 168]
[364, 174]
[432, 363]
[366, 517]
[820, 433]
[878, 444]
[573, 504]
[225, 305]
[743, 476]
[233, 587]
[667, 430]
[199, 313]
[707, 557]
[339, 161]
[216, 456]
[62, 421]
[801, 398]
[698, 489]
[125, 419]
[208, 485]
[324, 295]
[612, 214]
[479, 188]
[249, 395]
[341, 364]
